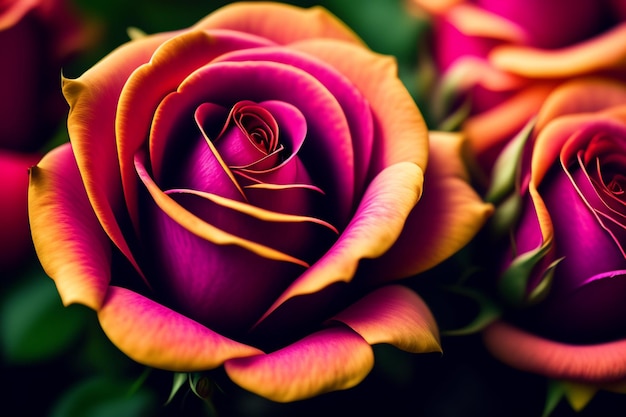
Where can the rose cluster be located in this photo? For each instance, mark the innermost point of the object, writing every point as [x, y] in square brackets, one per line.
[256, 195]
[246, 194]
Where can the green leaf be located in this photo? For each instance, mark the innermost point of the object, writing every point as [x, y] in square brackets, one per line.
[105, 397]
[34, 325]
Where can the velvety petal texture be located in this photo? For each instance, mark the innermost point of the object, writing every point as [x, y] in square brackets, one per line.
[570, 240]
[223, 188]
[542, 43]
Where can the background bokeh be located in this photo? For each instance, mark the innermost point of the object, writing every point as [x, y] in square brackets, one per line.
[56, 361]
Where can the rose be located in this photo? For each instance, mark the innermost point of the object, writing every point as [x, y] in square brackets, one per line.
[508, 56]
[36, 39]
[568, 265]
[240, 192]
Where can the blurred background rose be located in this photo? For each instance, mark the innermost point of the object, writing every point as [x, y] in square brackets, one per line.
[499, 59]
[564, 277]
[37, 38]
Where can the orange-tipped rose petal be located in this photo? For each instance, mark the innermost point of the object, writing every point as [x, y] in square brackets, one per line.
[401, 129]
[93, 99]
[71, 245]
[329, 360]
[499, 124]
[375, 227]
[281, 23]
[473, 21]
[604, 362]
[583, 95]
[437, 6]
[395, 315]
[447, 217]
[156, 336]
[606, 51]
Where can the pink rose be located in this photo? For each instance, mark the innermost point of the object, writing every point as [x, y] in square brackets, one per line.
[36, 39]
[241, 192]
[509, 55]
[566, 273]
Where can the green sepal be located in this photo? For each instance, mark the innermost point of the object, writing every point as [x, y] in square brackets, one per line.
[488, 312]
[179, 380]
[513, 283]
[201, 385]
[505, 215]
[541, 290]
[554, 394]
[454, 120]
[506, 167]
[577, 395]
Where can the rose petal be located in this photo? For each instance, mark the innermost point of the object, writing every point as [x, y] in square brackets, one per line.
[584, 95]
[604, 362]
[199, 227]
[93, 99]
[156, 336]
[447, 217]
[545, 23]
[476, 21]
[605, 51]
[488, 131]
[263, 19]
[400, 131]
[329, 360]
[395, 315]
[355, 107]
[171, 63]
[329, 144]
[72, 247]
[373, 230]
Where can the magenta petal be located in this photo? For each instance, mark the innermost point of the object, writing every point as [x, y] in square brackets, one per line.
[353, 104]
[578, 235]
[72, 247]
[329, 360]
[329, 146]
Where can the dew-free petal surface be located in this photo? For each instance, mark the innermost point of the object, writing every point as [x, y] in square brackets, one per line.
[447, 217]
[156, 336]
[70, 243]
[329, 360]
[604, 362]
[395, 315]
[281, 23]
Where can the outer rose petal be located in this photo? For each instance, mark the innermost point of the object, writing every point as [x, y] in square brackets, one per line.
[15, 238]
[281, 23]
[156, 336]
[375, 227]
[603, 52]
[599, 363]
[447, 217]
[329, 360]
[396, 315]
[71, 245]
[583, 95]
[93, 99]
[400, 130]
